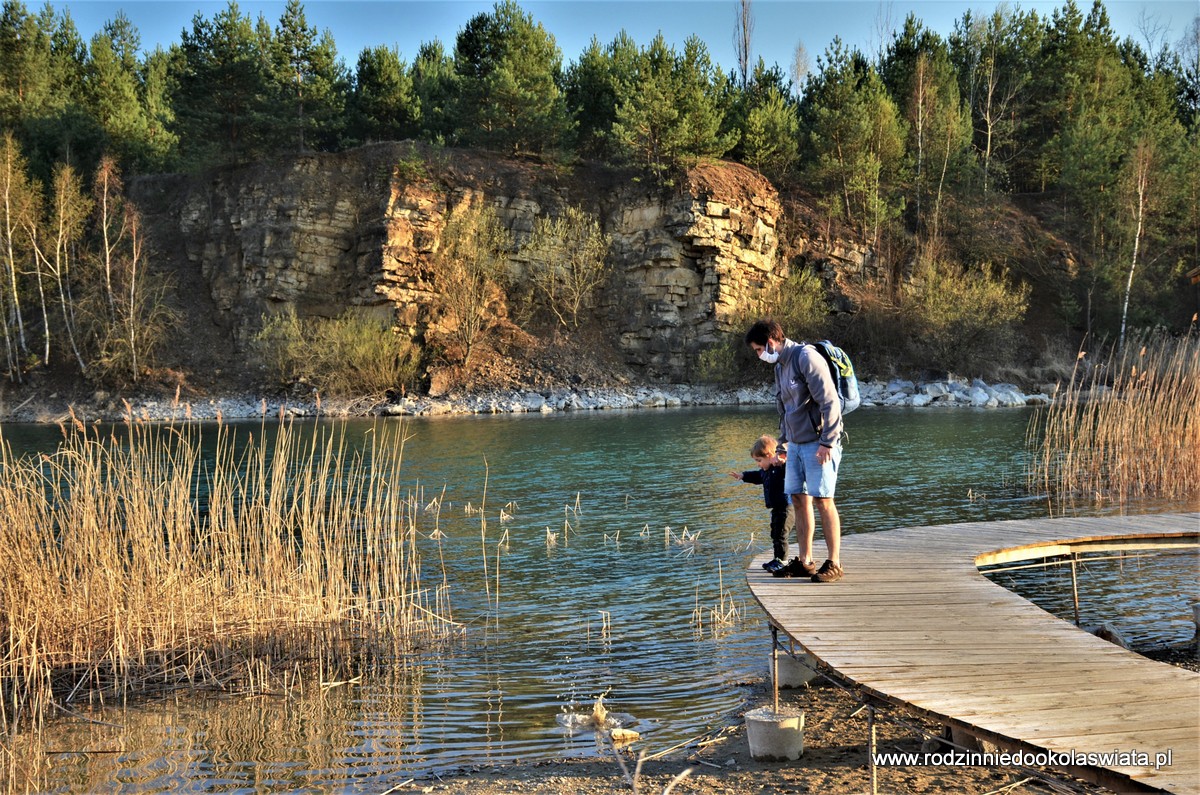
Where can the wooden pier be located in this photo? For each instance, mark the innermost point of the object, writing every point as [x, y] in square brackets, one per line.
[914, 623]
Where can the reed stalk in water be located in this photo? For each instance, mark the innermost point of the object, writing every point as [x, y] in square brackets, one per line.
[136, 562]
[1125, 429]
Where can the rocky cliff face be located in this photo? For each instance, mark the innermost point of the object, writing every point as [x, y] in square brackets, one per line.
[322, 233]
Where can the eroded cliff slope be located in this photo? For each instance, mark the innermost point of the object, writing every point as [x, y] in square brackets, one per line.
[321, 233]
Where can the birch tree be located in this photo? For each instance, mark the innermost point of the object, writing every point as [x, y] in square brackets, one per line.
[111, 227]
[991, 57]
[1140, 167]
[55, 247]
[18, 202]
[128, 317]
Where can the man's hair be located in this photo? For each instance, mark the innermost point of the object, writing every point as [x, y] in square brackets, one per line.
[764, 447]
[762, 330]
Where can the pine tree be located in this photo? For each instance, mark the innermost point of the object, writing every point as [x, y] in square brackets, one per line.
[63, 129]
[770, 135]
[1070, 90]
[647, 130]
[854, 141]
[162, 145]
[764, 113]
[1086, 152]
[436, 87]
[308, 81]
[223, 90]
[704, 94]
[593, 85]
[112, 90]
[510, 69]
[68, 58]
[25, 73]
[383, 106]
[674, 110]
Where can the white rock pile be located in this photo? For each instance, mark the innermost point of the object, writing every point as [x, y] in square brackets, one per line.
[893, 393]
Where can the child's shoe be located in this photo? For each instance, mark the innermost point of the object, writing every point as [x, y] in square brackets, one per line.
[773, 565]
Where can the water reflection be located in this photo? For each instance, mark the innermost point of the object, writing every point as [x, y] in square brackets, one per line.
[1146, 596]
[642, 595]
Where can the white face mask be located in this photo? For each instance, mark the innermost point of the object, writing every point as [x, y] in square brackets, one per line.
[769, 356]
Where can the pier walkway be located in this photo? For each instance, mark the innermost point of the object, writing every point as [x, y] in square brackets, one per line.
[915, 624]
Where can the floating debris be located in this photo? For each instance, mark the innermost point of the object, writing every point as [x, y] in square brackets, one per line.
[599, 711]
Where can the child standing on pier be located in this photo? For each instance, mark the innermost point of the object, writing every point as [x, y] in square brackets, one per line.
[772, 468]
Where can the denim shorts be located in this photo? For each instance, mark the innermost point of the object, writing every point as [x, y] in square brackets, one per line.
[805, 475]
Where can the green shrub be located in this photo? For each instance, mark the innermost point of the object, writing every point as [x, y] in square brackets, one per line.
[349, 356]
[469, 267]
[800, 306]
[958, 319]
[122, 341]
[721, 362]
[280, 347]
[412, 167]
[567, 262]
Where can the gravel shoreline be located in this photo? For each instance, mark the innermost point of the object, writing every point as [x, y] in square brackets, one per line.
[101, 407]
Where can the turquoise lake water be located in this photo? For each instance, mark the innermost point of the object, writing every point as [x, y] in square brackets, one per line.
[642, 595]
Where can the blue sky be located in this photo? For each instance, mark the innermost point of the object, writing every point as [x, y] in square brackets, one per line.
[779, 24]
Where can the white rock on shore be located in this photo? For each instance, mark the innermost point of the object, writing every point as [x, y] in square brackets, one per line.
[952, 392]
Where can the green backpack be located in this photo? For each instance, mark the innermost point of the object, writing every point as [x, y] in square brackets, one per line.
[843, 374]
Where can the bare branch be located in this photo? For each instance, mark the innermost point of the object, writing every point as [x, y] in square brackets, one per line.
[1153, 31]
[743, 34]
[801, 65]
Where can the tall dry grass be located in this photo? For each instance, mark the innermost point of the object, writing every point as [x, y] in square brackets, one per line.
[1127, 428]
[119, 579]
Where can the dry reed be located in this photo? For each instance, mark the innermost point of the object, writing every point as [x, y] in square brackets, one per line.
[1125, 429]
[122, 578]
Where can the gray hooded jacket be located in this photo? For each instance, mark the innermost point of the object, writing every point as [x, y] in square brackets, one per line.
[806, 396]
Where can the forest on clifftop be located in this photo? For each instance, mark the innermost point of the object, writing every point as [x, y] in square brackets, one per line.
[912, 152]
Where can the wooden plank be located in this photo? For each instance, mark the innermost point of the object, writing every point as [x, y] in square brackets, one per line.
[959, 681]
[962, 679]
[956, 645]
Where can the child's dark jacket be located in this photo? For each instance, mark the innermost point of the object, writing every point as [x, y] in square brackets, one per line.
[771, 479]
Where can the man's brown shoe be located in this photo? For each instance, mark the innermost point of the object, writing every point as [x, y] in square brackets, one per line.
[829, 572]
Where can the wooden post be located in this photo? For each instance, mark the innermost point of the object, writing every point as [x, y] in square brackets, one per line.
[775, 667]
[1075, 586]
[871, 745]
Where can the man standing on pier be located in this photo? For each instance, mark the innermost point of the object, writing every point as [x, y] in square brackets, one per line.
[810, 424]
